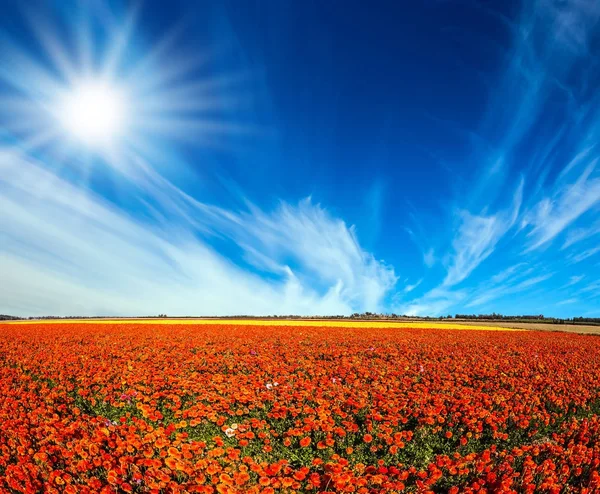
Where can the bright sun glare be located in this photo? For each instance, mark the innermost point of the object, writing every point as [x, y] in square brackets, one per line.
[94, 112]
[126, 102]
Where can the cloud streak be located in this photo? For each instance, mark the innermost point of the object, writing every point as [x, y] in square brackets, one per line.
[584, 255]
[573, 280]
[580, 234]
[553, 214]
[67, 251]
[477, 237]
[544, 91]
[410, 288]
[493, 293]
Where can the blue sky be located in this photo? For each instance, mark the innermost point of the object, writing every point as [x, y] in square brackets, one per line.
[310, 157]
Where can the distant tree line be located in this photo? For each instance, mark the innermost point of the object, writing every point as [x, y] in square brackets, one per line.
[586, 320]
[6, 317]
[362, 316]
[484, 317]
[502, 317]
[529, 318]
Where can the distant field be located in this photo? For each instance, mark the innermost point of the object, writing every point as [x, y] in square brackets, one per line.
[462, 325]
[540, 326]
[285, 322]
[298, 406]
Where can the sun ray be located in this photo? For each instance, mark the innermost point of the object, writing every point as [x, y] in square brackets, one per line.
[121, 35]
[197, 96]
[106, 98]
[147, 63]
[56, 50]
[84, 42]
[24, 74]
[37, 141]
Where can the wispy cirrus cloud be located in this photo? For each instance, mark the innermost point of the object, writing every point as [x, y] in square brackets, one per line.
[591, 288]
[410, 288]
[551, 215]
[477, 237]
[573, 280]
[557, 37]
[580, 234]
[100, 260]
[323, 246]
[549, 39]
[429, 258]
[508, 272]
[517, 279]
[435, 302]
[571, 21]
[581, 256]
[489, 294]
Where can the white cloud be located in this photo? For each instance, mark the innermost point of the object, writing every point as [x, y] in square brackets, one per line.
[572, 23]
[436, 302]
[580, 234]
[429, 258]
[325, 247]
[584, 255]
[593, 287]
[489, 294]
[476, 240]
[67, 251]
[410, 288]
[530, 282]
[550, 39]
[573, 280]
[553, 214]
[507, 273]
[477, 237]
[580, 158]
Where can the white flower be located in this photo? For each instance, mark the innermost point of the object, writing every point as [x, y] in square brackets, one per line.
[229, 432]
[275, 383]
[269, 386]
[234, 426]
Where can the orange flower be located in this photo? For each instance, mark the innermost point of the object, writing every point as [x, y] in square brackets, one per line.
[134, 400]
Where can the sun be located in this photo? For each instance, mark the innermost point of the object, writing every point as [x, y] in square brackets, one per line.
[104, 97]
[94, 112]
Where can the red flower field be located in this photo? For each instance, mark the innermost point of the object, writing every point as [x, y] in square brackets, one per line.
[230, 408]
